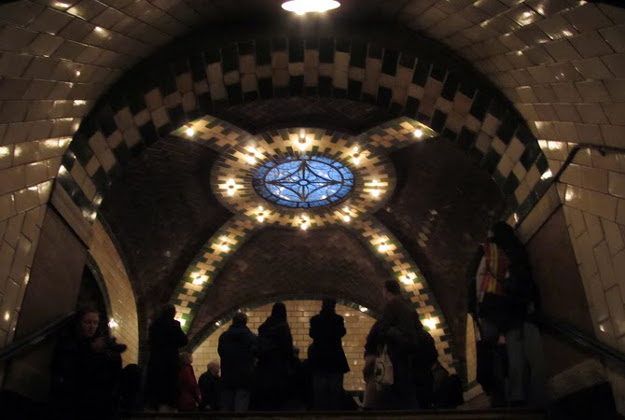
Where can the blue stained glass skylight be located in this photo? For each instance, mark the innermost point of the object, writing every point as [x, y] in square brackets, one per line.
[304, 181]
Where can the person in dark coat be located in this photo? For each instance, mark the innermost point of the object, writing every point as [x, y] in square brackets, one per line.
[327, 358]
[396, 330]
[210, 387]
[504, 293]
[86, 366]
[236, 349]
[275, 351]
[189, 395]
[166, 337]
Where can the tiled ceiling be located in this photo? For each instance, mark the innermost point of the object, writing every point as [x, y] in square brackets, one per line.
[560, 62]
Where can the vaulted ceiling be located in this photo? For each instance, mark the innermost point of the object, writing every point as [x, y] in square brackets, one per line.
[559, 63]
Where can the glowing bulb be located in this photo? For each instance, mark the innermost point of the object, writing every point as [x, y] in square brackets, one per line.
[182, 321]
[363, 309]
[375, 193]
[301, 7]
[430, 323]
[79, 102]
[77, 73]
[356, 160]
[224, 244]
[7, 315]
[60, 5]
[189, 131]
[383, 247]
[408, 278]
[346, 218]
[113, 324]
[418, 133]
[547, 174]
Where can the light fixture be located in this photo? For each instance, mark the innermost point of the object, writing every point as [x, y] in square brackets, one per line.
[231, 187]
[418, 133]
[223, 246]
[113, 324]
[548, 174]
[383, 246]
[302, 141]
[375, 191]
[61, 5]
[261, 214]
[304, 222]
[301, 7]
[408, 278]
[79, 102]
[346, 216]
[199, 278]
[189, 131]
[363, 309]
[77, 73]
[182, 321]
[430, 323]
[253, 155]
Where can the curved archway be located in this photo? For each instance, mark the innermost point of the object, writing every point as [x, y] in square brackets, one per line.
[433, 88]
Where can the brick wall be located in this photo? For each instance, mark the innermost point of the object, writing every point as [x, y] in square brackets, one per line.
[121, 296]
[299, 314]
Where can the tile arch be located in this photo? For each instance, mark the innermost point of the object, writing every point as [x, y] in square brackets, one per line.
[436, 89]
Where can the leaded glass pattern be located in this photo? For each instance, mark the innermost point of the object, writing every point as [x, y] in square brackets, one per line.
[304, 181]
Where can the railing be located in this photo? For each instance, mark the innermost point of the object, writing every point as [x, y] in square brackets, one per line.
[576, 336]
[34, 338]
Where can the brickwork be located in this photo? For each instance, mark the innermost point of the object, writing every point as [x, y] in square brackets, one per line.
[299, 313]
[120, 293]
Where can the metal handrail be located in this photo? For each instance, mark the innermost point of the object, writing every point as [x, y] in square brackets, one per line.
[576, 336]
[35, 338]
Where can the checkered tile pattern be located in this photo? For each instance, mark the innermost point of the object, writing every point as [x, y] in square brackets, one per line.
[459, 108]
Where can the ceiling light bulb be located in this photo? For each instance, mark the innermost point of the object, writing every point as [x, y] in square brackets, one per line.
[383, 247]
[346, 218]
[302, 7]
[260, 219]
[189, 131]
[77, 73]
[375, 193]
[430, 323]
[418, 133]
[251, 159]
[304, 226]
[113, 323]
[182, 321]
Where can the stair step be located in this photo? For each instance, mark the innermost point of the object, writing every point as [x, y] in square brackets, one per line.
[504, 414]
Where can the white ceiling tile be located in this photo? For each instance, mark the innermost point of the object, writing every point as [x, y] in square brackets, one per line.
[592, 68]
[591, 44]
[593, 91]
[615, 113]
[566, 92]
[86, 9]
[592, 113]
[13, 65]
[587, 17]
[615, 36]
[50, 21]
[15, 39]
[567, 112]
[44, 44]
[562, 50]
[616, 64]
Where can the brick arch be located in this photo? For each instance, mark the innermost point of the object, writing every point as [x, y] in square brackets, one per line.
[192, 300]
[436, 89]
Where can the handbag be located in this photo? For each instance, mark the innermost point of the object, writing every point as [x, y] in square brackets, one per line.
[383, 372]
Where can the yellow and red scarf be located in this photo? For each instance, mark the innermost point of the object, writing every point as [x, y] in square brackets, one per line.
[496, 268]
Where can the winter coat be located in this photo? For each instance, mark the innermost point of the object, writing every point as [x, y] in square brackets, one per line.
[236, 350]
[166, 337]
[189, 392]
[326, 351]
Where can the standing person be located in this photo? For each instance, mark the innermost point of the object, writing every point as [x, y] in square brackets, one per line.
[504, 292]
[397, 331]
[327, 358]
[165, 337]
[189, 392]
[86, 366]
[210, 387]
[275, 351]
[236, 349]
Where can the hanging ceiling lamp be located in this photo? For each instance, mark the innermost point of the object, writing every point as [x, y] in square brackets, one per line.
[302, 7]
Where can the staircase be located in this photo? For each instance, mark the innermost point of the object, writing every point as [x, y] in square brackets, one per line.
[508, 414]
